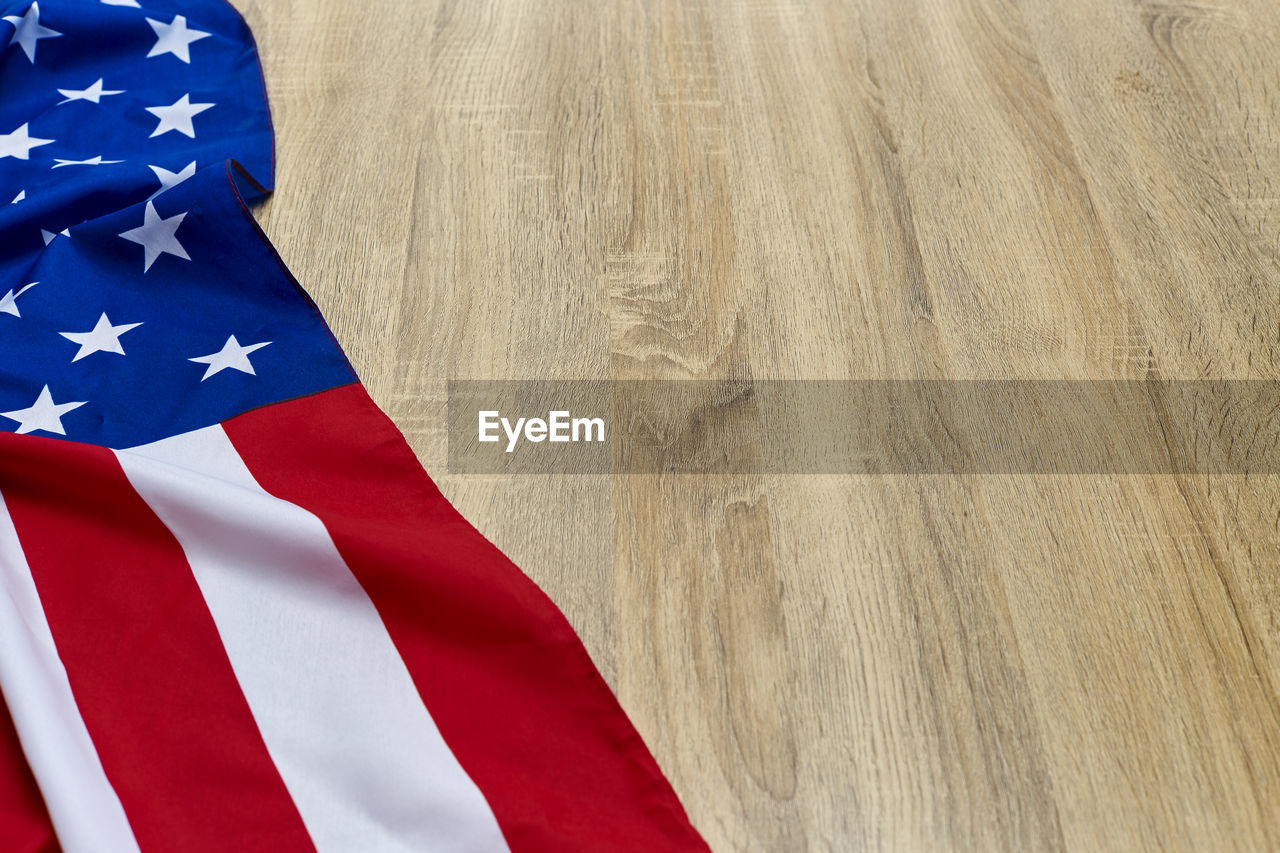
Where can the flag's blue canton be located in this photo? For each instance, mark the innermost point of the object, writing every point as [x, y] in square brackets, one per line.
[110, 43]
[137, 298]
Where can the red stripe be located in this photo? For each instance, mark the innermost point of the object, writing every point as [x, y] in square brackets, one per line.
[505, 677]
[24, 823]
[146, 666]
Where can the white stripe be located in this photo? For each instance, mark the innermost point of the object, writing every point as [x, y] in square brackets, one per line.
[360, 755]
[84, 808]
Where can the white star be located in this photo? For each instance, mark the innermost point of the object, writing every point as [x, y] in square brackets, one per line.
[92, 161]
[231, 355]
[43, 414]
[93, 93]
[174, 38]
[177, 116]
[27, 31]
[133, 3]
[19, 143]
[9, 302]
[168, 179]
[157, 236]
[49, 235]
[104, 337]
[19, 197]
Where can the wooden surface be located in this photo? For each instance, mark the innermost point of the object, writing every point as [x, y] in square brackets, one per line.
[813, 188]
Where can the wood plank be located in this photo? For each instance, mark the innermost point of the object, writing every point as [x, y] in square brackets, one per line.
[828, 189]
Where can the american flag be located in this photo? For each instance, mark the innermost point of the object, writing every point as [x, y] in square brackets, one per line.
[235, 613]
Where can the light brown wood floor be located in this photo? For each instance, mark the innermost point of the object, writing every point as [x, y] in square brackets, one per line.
[813, 188]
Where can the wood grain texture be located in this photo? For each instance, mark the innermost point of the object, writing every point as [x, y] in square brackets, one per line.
[827, 189]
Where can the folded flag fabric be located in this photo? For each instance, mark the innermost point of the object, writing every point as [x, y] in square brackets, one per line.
[235, 613]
